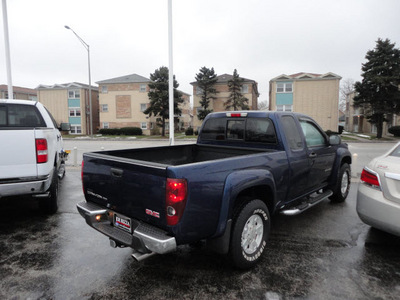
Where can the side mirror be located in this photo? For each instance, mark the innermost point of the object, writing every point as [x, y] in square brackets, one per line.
[335, 140]
[65, 127]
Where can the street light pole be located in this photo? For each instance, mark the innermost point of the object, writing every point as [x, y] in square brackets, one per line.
[171, 78]
[90, 80]
[7, 48]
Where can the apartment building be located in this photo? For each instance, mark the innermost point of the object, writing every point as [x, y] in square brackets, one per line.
[316, 95]
[69, 103]
[357, 122]
[186, 119]
[124, 99]
[20, 93]
[249, 90]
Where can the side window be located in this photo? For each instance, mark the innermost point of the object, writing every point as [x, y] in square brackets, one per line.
[312, 134]
[214, 129]
[292, 133]
[52, 119]
[3, 116]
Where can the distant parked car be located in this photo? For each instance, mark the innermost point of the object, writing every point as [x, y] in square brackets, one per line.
[378, 198]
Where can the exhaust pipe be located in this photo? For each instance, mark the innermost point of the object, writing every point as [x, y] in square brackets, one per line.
[141, 256]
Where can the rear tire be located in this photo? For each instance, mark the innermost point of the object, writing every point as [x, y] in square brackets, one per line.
[250, 234]
[342, 188]
[49, 205]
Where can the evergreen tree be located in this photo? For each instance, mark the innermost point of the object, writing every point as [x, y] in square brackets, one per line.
[206, 80]
[378, 92]
[159, 97]
[236, 100]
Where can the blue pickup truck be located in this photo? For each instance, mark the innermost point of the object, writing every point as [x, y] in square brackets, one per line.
[244, 168]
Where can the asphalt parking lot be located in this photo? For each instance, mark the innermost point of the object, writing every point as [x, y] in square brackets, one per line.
[324, 253]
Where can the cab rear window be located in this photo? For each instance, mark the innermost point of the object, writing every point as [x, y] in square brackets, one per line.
[254, 130]
[15, 115]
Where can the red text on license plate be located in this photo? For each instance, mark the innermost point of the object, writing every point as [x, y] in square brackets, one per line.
[122, 222]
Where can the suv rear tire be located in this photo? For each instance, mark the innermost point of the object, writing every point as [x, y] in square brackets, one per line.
[49, 205]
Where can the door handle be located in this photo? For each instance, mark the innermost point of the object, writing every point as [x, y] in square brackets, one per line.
[312, 155]
[116, 172]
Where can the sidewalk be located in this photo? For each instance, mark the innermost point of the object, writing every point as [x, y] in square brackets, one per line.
[361, 138]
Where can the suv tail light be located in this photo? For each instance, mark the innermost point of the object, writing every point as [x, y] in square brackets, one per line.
[41, 151]
[370, 177]
[175, 200]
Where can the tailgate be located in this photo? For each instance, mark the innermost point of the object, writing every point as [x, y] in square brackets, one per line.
[135, 189]
[17, 154]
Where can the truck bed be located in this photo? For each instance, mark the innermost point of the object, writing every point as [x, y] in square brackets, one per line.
[181, 155]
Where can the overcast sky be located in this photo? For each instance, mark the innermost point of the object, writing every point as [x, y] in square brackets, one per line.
[260, 38]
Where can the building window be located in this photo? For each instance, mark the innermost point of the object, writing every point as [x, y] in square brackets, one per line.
[142, 88]
[104, 89]
[245, 89]
[143, 125]
[106, 125]
[74, 94]
[74, 111]
[143, 107]
[104, 107]
[284, 87]
[284, 108]
[76, 129]
[199, 90]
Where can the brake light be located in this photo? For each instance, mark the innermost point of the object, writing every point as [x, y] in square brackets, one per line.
[83, 187]
[236, 115]
[370, 177]
[175, 198]
[41, 151]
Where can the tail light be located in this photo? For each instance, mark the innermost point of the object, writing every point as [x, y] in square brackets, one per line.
[83, 187]
[370, 177]
[41, 151]
[176, 192]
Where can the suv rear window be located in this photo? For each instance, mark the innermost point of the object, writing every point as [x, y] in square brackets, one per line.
[16, 115]
[256, 130]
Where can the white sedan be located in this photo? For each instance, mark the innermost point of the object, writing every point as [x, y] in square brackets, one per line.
[378, 198]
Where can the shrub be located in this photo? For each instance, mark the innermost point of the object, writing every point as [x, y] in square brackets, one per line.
[131, 131]
[189, 131]
[121, 131]
[395, 130]
[155, 130]
[110, 131]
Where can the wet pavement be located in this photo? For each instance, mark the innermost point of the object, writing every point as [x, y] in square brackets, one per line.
[324, 253]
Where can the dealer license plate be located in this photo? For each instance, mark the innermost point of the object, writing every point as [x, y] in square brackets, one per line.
[123, 223]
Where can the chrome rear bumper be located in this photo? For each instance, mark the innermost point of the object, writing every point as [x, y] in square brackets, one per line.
[144, 238]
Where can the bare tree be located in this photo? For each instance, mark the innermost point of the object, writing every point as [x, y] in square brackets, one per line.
[346, 87]
[262, 105]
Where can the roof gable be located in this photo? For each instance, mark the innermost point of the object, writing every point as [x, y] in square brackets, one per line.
[132, 78]
[306, 76]
[71, 85]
